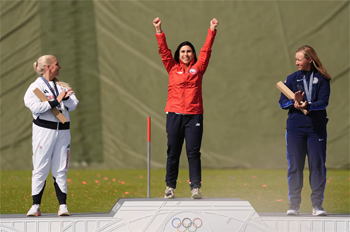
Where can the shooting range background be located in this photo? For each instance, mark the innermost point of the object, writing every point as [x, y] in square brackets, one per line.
[109, 54]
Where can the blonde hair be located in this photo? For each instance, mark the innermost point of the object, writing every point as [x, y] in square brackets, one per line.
[40, 65]
[309, 52]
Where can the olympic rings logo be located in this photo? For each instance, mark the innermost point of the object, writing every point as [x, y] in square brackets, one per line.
[186, 223]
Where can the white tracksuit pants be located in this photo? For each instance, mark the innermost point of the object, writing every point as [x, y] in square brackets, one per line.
[50, 149]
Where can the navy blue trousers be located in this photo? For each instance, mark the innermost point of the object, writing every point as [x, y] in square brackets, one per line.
[179, 128]
[312, 142]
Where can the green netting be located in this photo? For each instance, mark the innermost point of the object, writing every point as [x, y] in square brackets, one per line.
[68, 32]
[65, 29]
[109, 54]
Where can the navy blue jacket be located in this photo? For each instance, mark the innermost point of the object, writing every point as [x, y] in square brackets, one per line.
[317, 115]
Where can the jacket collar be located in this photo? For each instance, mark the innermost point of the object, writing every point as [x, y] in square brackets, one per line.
[308, 73]
[184, 66]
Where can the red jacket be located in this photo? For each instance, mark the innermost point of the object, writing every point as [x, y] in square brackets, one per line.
[185, 84]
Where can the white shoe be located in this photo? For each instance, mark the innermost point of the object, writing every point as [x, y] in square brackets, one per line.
[293, 210]
[34, 211]
[317, 210]
[169, 192]
[196, 193]
[63, 210]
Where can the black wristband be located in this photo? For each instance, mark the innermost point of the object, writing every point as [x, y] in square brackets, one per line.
[54, 103]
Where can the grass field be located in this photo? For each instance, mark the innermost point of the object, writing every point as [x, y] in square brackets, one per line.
[98, 190]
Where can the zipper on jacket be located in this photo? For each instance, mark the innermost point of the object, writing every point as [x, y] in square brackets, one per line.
[185, 84]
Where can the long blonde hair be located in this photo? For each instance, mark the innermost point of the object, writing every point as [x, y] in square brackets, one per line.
[309, 52]
[40, 65]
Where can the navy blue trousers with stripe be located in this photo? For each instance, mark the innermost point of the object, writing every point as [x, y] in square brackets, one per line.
[179, 128]
[310, 141]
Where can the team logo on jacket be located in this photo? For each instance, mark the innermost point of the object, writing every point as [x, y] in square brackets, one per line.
[193, 71]
[315, 80]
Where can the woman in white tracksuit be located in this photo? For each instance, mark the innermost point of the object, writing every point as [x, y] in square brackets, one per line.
[51, 138]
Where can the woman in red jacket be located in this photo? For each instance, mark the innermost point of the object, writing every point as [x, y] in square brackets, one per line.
[184, 105]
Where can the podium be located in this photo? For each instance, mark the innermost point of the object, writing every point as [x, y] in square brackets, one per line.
[178, 214]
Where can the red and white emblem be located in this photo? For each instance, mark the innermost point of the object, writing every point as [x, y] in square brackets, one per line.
[193, 71]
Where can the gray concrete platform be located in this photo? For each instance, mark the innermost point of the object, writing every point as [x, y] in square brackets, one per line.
[179, 214]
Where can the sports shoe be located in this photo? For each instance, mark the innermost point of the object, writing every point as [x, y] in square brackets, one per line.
[34, 211]
[317, 210]
[293, 210]
[196, 193]
[169, 192]
[63, 210]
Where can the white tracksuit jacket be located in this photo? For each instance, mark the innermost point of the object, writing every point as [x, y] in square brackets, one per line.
[50, 139]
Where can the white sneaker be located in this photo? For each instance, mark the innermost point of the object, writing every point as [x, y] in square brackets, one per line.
[196, 193]
[293, 210]
[317, 210]
[63, 210]
[169, 192]
[34, 211]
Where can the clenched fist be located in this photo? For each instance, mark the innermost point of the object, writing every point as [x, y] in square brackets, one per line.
[213, 24]
[157, 24]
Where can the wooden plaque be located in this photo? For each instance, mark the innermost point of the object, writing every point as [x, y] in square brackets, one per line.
[287, 92]
[55, 111]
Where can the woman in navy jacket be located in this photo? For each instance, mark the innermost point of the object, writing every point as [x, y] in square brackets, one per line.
[306, 133]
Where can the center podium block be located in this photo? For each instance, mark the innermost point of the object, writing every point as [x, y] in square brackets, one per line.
[183, 214]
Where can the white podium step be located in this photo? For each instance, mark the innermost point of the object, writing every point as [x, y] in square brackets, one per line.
[184, 214]
[179, 214]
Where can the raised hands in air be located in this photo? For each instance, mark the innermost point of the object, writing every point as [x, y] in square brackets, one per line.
[157, 24]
